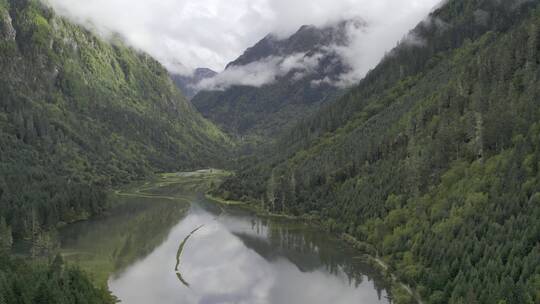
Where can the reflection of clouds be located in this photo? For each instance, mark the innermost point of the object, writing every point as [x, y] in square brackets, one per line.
[221, 264]
[318, 287]
[221, 269]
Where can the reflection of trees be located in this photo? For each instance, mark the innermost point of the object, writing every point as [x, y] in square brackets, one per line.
[308, 249]
[267, 250]
[132, 231]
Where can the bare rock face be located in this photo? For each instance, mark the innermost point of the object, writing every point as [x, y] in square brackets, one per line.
[7, 31]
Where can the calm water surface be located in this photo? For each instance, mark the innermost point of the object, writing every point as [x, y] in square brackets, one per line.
[235, 257]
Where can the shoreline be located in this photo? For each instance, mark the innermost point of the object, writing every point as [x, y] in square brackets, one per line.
[261, 212]
[369, 253]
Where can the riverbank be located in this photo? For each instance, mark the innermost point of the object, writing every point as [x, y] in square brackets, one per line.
[372, 257]
[258, 210]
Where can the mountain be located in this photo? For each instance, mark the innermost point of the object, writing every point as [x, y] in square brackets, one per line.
[187, 84]
[307, 39]
[78, 115]
[431, 162]
[309, 65]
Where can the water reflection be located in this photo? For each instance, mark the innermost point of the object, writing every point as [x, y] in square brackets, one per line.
[238, 258]
[131, 231]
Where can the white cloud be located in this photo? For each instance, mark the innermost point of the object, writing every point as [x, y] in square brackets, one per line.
[254, 74]
[186, 34]
[388, 24]
[265, 71]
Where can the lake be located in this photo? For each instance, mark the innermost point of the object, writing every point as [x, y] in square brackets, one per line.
[148, 250]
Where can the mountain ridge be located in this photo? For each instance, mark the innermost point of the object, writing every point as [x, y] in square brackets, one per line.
[304, 40]
[298, 91]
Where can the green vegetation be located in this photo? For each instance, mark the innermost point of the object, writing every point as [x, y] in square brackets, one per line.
[432, 159]
[260, 113]
[79, 115]
[39, 282]
[179, 255]
[181, 247]
[431, 164]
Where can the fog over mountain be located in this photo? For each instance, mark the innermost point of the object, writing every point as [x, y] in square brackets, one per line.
[188, 84]
[311, 51]
[187, 34]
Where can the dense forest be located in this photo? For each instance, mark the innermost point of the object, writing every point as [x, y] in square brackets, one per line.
[40, 282]
[79, 115]
[432, 160]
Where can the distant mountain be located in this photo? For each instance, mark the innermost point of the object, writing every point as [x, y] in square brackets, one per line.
[307, 39]
[310, 67]
[187, 84]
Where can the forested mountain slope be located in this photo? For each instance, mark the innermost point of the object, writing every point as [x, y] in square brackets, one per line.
[433, 159]
[271, 108]
[77, 115]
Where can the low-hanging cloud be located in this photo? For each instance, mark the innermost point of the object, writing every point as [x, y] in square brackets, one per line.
[265, 71]
[186, 34]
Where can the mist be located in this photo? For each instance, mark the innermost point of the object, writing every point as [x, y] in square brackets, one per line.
[187, 34]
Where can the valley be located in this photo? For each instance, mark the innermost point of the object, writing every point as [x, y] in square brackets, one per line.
[220, 244]
[418, 182]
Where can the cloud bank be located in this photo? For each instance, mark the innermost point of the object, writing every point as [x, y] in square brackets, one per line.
[186, 34]
[265, 71]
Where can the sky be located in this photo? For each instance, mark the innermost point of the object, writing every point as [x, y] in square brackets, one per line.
[187, 34]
